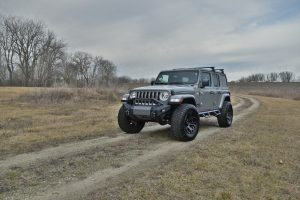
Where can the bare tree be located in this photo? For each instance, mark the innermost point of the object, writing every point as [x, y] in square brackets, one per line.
[272, 77]
[51, 53]
[124, 79]
[107, 71]
[83, 61]
[243, 80]
[2, 68]
[286, 76]
[7, 44]
[68, 70]
[259, 77]
[28, 36]
[95, 69]
[32, 55]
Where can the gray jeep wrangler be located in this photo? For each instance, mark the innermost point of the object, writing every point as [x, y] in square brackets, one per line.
[178, 97]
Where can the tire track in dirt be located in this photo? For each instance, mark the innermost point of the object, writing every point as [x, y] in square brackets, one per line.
[82, 187]
[62, 150]
[77, 147]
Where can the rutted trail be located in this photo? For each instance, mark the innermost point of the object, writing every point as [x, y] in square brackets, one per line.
[77, 147]
[62, 150]
[80, 188]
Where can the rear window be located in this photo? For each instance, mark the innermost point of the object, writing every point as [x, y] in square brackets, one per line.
[223, 80]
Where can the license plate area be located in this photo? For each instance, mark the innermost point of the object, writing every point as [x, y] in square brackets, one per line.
[141, 110]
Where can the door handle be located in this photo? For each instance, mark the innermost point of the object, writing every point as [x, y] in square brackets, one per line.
[212, 92]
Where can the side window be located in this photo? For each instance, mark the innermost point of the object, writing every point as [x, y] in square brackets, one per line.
[216, 80]
[205, 78]
[223, 81]
[164, 78]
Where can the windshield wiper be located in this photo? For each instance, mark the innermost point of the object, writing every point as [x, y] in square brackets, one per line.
[180, 83]
[157, 83]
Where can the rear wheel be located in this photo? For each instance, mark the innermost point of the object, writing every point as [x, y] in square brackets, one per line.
[127, 124]
[226, 116]
[185, 122]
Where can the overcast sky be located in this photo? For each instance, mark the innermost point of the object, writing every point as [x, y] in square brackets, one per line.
[144, 37]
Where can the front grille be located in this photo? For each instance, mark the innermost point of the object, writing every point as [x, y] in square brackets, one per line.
[148, 95]
[147, 98]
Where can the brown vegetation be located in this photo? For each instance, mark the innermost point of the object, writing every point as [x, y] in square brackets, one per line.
[270, 89]
[63, 95]
[255, 159]
[33, 118]
[284, 76]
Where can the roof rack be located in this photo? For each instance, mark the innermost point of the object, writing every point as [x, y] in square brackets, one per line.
[212, 68]
[221, 70]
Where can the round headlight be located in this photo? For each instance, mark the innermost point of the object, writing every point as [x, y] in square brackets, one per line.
[164, 96]
[132, 95]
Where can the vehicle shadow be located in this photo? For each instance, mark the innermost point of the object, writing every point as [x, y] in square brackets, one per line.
[163, 132]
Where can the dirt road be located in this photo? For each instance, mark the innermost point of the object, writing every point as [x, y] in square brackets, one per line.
[72, 170]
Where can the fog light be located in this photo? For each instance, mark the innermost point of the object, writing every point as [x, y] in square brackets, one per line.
[125, 97]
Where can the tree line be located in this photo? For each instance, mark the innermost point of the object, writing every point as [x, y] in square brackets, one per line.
[284, 76]
[32, 55]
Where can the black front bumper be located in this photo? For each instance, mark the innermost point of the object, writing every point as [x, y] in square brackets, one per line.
[157, 113]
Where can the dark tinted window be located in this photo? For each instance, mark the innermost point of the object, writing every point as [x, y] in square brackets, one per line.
[205, 77]
[216, 80]
[223, 81]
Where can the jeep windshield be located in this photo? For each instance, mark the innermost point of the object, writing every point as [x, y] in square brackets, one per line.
[180, 77]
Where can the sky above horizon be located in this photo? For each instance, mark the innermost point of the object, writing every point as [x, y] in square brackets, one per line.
[144, 37]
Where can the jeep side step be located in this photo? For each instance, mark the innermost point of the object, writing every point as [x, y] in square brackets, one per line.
[210, 113]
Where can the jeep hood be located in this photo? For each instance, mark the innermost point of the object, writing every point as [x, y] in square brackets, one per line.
[177, 89]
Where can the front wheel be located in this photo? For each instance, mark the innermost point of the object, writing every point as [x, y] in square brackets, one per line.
[226, 116]
[127, 124]
[185, 122]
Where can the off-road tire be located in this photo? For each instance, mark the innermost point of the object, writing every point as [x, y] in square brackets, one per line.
[179, 129]
[226, 116]
[127, 124]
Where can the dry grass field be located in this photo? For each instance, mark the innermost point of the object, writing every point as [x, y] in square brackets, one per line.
[259, 158]
[32, 118]
[270, 89]
[61, 143]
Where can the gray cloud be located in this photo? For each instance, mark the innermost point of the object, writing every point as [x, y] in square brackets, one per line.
[143, 37]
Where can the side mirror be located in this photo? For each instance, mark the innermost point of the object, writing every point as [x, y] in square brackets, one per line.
[205, 83]
[152, 82]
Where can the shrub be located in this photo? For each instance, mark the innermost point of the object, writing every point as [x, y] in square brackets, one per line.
[63, 95]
